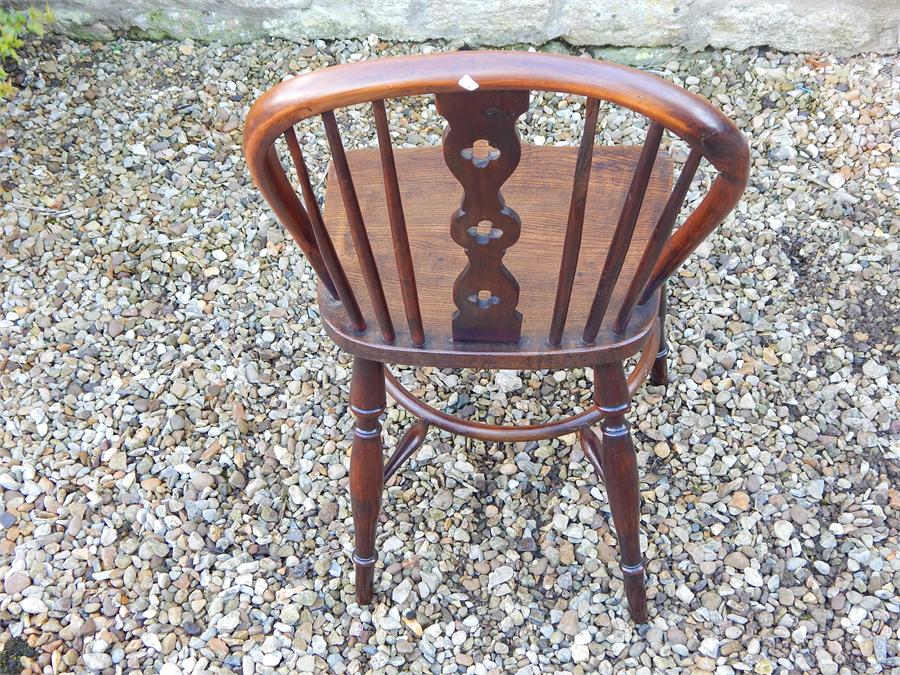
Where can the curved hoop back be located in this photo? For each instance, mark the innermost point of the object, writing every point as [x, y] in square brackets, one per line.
[481, 94]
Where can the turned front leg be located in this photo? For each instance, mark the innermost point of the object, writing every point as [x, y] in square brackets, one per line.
[367, 402]
[621, 479]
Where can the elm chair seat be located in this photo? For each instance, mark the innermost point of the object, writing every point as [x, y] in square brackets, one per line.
[540, 190]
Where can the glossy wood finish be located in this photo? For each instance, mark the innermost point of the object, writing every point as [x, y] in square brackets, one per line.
[621, 241]
[683, 113]
[621, 478]
[388, 234]
[291, 214]
[402, 255]
[540, 189]
[367, 401]
[658, 240]
[361, 242]
[523, 433]
[411, 441]
[339, 284]
[574, 225]
[485, 293]
[659, 373]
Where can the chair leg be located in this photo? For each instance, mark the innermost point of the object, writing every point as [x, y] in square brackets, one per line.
[659, 373]
[621, 479]
[367, 402]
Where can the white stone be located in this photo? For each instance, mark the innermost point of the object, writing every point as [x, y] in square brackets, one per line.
[856, 615]
[151, 640]
[685, 594]
[7, 482]
[290, 614]
[33, 605]
[753, 577]
[96, 661]
[508, 381]
[228, 622]
[108, 536]
[836, 180]
[195, 542]
[401, 591]
[783, 529]
[874, 369]
[306, 663]
[580, 653]
[392, 544]
[500, 576]
[272, 659]
[710, 647]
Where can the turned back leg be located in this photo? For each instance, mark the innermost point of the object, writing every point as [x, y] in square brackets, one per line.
[659, 373]
[367, 402]
[620, 474]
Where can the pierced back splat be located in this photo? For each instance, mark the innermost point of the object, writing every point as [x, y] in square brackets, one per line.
[482, 149]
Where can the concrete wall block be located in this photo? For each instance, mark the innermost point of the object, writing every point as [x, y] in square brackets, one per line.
[840, 26]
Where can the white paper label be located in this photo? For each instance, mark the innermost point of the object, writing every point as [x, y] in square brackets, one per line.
[468, 83]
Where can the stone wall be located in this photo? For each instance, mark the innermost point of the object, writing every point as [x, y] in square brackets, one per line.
[794, 25]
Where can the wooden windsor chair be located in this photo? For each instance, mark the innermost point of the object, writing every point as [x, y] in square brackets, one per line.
[489, 280]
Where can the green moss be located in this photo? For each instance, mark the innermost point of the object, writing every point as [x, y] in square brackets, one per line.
[11, 656]
[638, 57]
[186, 23]
[86, 33]
[156, 26]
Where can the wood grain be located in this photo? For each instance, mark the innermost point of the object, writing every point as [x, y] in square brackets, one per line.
[622, 238]
[575, 223]
[356, 222]
[541, 190]
[489, 117]
[323, 241]
[398, 225]
[620, 473]
[367, 401]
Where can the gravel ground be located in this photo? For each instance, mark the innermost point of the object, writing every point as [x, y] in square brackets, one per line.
[175, 435]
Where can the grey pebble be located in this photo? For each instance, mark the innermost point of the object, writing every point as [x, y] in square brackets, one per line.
[177, 433]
